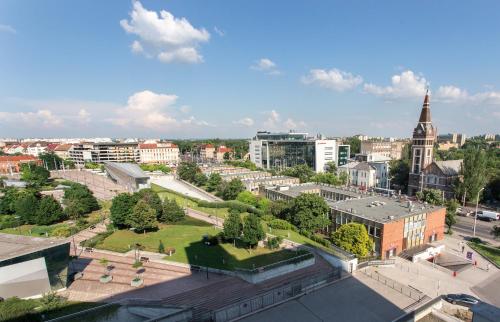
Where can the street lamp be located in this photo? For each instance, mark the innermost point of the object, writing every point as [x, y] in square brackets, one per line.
[475, 217]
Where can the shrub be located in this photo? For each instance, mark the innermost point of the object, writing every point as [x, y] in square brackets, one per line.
[61, 231]
[97, 239]
[15, 309]
[280, 224]
[267, 217]
[8, 221]
[274, 242]
[476, 240]
[161, 247]
[170, 251]
[231, 204]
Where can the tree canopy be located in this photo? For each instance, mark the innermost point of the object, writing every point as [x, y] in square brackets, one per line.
[451, 212]
[474, 173]
[230, 190]
[187, 171]
[34, 174]
[172, 212]
[308, 212]
[232, 225]
[214, 181]
[252, 230]
[79, 200]
[301, 171]
[353, 238]
[121, 209]
[431, 196]
[49, 211]
[143, 217]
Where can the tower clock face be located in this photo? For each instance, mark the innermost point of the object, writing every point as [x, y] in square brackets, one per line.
[419, 131]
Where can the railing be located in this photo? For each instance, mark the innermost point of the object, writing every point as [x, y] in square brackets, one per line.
[367, 263]
[403, 289]
[293, 260]
[271, 297]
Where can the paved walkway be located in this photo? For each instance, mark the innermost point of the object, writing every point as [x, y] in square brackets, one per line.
[168, 181]
[101, 186]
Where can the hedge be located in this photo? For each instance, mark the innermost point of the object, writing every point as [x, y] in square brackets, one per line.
[280, 224]
[97, 239]
[231, 204]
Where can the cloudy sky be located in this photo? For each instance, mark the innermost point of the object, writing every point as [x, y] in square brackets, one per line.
[183, 69]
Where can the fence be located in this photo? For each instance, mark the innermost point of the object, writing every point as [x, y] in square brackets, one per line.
[403, 289]
[376, 263]
[272, 297]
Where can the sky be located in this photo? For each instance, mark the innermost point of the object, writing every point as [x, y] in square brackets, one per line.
[199, 69]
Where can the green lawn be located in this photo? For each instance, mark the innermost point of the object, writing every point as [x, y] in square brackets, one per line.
[186, 202]
[492, 253]
[186, 237]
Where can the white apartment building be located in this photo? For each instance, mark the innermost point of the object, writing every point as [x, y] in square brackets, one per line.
[102, 152]
[164, 153]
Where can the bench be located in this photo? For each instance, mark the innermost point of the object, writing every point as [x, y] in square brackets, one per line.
[89, 249]
[144, 259]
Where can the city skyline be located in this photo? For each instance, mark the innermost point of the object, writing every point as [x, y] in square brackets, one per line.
[168, 69]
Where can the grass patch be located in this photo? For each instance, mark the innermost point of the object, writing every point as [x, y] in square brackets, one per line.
[33, 230]
[186, 237]
[186, 202]
[492, 253]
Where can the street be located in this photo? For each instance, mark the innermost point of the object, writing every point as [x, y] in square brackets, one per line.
[483, 228]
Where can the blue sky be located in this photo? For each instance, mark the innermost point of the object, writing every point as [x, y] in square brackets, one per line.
[181, 68]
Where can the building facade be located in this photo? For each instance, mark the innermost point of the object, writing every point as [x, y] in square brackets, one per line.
[386, 148]
[423, 140]
[159, 153]
[10, 164]
[457, 138]
[104, 152]
[442, 175]
[207, 152]
[394, 224]
[284, 150]
[221, 153]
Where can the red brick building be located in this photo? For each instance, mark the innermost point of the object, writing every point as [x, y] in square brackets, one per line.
[12, 163]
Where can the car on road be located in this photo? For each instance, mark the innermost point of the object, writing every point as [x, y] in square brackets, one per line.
[461, 299]
[487, 215]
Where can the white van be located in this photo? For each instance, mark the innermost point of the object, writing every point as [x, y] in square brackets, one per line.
[487, 215]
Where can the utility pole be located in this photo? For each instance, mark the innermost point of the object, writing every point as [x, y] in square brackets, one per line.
[475, 217]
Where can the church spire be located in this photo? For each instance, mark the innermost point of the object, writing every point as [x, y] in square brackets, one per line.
[425, 114]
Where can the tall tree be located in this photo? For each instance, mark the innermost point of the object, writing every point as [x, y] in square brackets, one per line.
[152, 199]
[232, 225]
[252, 230]
[353, 238]
[172, 212]
[432, 196]
[79, 201]
[451, 212]
[248, 198]
[301, 171]
[51, 160]
[355, 145]
[143, 217]
[230, 190]
[187, 171]
[121, 208]
[49, 211]
[200, 179]
[309, 212]
[25, 207]
[474, 173]
[214, 182]
[35, 175]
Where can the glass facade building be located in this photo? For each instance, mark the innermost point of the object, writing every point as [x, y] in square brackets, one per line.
[285, 154]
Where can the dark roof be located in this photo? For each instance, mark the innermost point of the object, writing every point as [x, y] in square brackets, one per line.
[16, 245]
[364, 166]
[486, 311]
[450, 167]
[425, 114]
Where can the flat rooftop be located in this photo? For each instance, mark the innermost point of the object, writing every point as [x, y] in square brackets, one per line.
[266, 179]
[382, 209]
[295, 190]
[17, 245]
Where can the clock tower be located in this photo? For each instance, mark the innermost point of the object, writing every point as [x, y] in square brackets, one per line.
[424, 136]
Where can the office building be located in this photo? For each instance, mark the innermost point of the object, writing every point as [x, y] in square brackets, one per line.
[159, 153]
[394, 223]
[284, 150]
[104, 152]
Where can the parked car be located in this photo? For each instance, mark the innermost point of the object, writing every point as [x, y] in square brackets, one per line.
[461, 299]
[487, 215]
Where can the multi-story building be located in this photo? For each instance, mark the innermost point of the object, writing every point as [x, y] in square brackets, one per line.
[102, 152]
[283, 150]
[36, 148]
[390, 149]
[207, 152]
[221, 152]
[423, 140]
[16, 148]
[10, 164]
[62, 151]
[394, 224]
[162, 153]
[457, 138]
[257, 185]
[343, 155]
[442, 175]
[489, 137]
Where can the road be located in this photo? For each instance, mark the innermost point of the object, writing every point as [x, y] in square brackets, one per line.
[464, 226]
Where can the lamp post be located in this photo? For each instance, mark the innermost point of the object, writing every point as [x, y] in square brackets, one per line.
[475, 217]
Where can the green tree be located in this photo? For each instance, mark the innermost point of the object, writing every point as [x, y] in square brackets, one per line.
[200, 179]
[121, 209]
[495, 231]
[143, 217]
[7, 201]
[309, 212]
[399, 171]
[51, 160]
[328, 178]
[152, 199]
[232, 225]
[248, 198]
[49, 211]
[280, 209]
[263, 203]
[172, 212]
[214, 182]
[331, 167]
[187, 171]
[252, 230]
[25, 206]
[353, 238]
[474, 172]
[230, 190]
[227, 156]
[355, 145]
[79, 201]
[451, 212]
[431, 196]
[35, 175]
[301, 171]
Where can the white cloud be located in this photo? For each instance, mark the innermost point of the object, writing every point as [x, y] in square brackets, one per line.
[193, 121]
[406, 84]
[290, 124]
[453, 94]
[273, 119]
[266, 65]
[219, 32]
[8, 29]
[274, 122]
[246, 121]
[162, 35]
[334, 79]
[42, 118]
